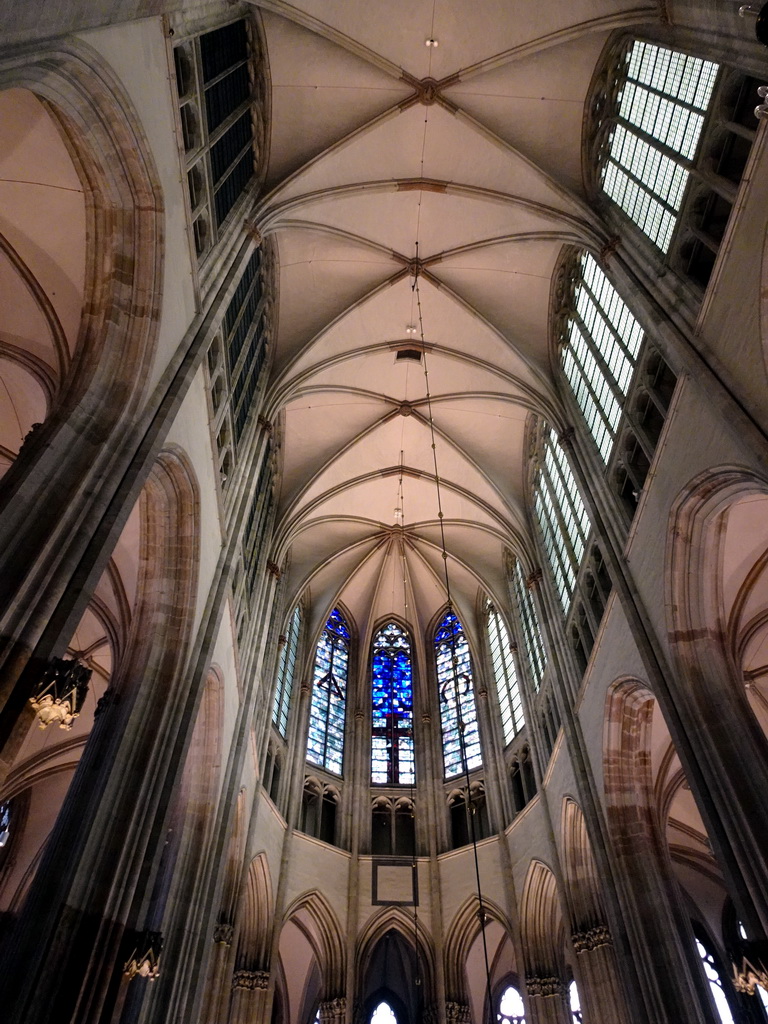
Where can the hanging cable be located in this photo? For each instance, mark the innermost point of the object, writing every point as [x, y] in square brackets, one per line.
[460, 724]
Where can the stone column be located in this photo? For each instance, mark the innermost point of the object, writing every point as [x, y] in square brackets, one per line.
[217, 995]
[249, 997]
[547, 1000]
[597, 977]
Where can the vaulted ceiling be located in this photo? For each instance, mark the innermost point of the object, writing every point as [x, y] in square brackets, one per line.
[418, 191]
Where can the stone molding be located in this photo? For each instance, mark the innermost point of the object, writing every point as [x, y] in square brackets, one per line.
[251, 981]
[224, 933]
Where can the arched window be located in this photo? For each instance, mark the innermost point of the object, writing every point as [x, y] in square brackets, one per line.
[5, 823]
[512, 718]
[511, 1009]
[383, 1014]
[454, 668]
[599, 347]
[663, 96]
[575, 1003]
[392, 707]
[325, 744]
[285, 671]
[710, 964]
[534, 645]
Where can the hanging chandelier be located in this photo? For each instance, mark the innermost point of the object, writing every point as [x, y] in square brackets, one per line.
[58, 697]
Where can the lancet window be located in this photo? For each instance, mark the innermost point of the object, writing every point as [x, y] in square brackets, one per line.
[510, 704]
[715, 979]
[392, 707]
[285, 672]
[457, 696]
[562, 516]
[217, 77]
[534, 644]
[325, 743]
[673, 134]
[575, 1003]
[659, 118]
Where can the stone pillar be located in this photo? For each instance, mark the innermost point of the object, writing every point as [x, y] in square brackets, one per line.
[597, 977]
[216, 1003]
[333, 1011]
[547, 1002]
[249, 997]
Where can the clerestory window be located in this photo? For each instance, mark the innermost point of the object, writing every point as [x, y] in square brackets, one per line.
[285, 672]
[325, 743]
[562, 516]
[660, 113]
[457, 697]
[392, 707]
[532, 639]
[507, 688]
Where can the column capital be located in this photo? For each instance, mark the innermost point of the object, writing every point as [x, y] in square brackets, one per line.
[593, 938]
[457, 1013]
[543, 985]
[333, 1011]
[534, 577]
[565, 439]
[224, 933]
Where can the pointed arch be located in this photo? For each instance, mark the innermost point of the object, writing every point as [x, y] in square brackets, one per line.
[461, 934]
[541, 924]
[255, 923]
[398, 920]
[317, 919]
[580, 870]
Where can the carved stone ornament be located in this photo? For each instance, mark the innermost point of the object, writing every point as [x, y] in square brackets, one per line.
[59, 695]
[224, 933]
[457, 1013]
[565, 439]
[28, 436]
[107, 700]
[265, 425]
[333, 1011]
[585, 942]
[610, 248]
[252, 230]
[538, 985]
[251, 981]
[274, 570]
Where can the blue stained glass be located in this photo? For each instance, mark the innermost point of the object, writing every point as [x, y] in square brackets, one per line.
[455, 665]
[325, 742]
[392, 707]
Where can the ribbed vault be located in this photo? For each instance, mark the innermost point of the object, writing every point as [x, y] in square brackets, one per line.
[416, 186]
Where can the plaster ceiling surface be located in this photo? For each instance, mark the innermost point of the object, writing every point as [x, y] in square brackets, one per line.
[418, 196]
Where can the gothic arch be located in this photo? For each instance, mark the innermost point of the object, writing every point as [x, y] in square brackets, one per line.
[580, 870]
[461, 934]
[317, 919]
[541, 927]
[256, 917]
[388, 919]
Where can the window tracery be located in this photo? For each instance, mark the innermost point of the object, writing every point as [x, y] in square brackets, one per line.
[285, 672]
[454, 669]
[325, 743]
[715, 980]
[510, 704]
[392, 759]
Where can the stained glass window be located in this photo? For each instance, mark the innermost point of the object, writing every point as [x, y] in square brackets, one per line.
[599, 353]
[510, 705]
[5, 823]
[325, 744]
[454, 666]
[534, 645]
[392, 710]
[716, 986]
[660, 115]
[575, 1003]
[285, 671]
[562, 517]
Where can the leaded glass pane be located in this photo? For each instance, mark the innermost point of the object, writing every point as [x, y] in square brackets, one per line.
[534, 645]
[454, 669]
[562, 517]
[715, 984]
[511, 1007]
[599, 353]
[325, 742]
[510, 705]
[285, 672]
[392, 707]
[661, 111]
